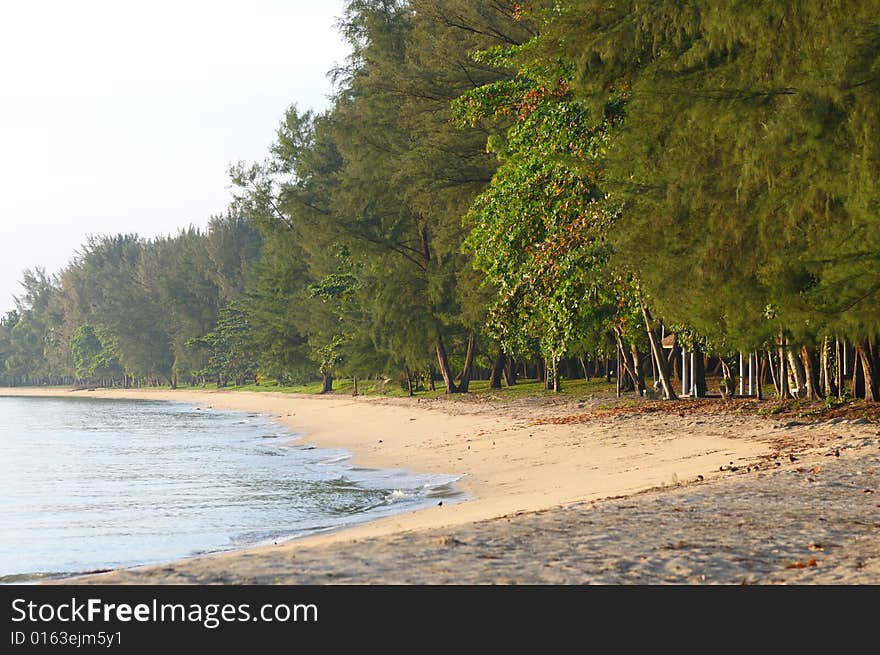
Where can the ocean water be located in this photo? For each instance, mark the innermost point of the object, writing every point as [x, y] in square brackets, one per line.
[89, 484]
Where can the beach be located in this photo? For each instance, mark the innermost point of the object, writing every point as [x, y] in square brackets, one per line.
[568, 491]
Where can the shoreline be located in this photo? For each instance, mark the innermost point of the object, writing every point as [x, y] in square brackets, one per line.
[514, 459]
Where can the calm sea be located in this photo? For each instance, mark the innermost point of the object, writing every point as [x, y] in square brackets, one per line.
[89, 484]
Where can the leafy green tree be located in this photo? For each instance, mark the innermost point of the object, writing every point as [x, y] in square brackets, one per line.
[93, 355]
[747, 163]
[7, 323]
[538, 231]
[232, 353]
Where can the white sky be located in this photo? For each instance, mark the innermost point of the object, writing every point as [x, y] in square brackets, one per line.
[121, 116]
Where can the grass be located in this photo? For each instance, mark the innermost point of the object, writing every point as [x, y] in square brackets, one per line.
[393, 389]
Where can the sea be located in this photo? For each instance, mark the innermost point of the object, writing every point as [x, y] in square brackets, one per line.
[90, 484]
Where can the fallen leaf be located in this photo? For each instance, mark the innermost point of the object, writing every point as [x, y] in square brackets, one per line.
[802, 565]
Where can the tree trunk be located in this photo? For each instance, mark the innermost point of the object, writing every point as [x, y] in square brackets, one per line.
[638, 370]
[585, 369]
[445, 369]
[827, 383]
[409, 382]
[699, 381]
[431, 385]
[728, 383]
[607, 371]
[760, 366]
[771, 366]
[468, 363]
[869, 372]
[617, 375]
[811, 377]
[660, 360]
[497, 371]
[627, 376]
[783, 369]
[326, 382]
[355, 392]
[798, 374]
[857, 386]
[673, 365]
[510, 372]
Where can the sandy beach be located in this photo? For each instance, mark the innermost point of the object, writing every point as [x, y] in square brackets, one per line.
[565, 491]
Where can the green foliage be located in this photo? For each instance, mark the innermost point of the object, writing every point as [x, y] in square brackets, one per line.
[93, 354]
[538, 230]
[232, 353]
[748, 161]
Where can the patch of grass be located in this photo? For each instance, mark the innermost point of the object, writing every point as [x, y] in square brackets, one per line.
[772, 410]
[392, 388]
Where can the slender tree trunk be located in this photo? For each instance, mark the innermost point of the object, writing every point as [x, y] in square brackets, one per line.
[699, 381]
[772, 368]
[326, 382]
[607, 370]
[468, 363]
[638, 370]
[431, 385]
[728, 383]
[811, 377]
[826, 383]
[585, 369]
[798, 373]
[445, 369]
[673, 364]
[657, 353]
[869, 372]
[355, 380]
[618, 373]
[760, 365]
[857, 386]
[510, 372]
[409, 382]
[627, 373]
[497, 371]
[783, 369]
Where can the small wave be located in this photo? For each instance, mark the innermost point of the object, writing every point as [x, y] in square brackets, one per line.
[273, 452]
[442, 491]
[334, 460]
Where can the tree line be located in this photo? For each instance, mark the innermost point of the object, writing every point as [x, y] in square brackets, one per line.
[571, 186]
